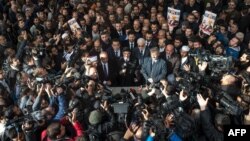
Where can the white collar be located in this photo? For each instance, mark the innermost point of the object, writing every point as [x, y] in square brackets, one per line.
[14, 68]
[183, 59]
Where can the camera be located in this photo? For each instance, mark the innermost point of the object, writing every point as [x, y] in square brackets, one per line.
[38, 51]
[76, 106]
[220, 63]
[172, 106]
[216, 63]
[46, 79]
[230, 106]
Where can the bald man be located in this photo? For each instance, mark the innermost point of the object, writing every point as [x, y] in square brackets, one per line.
[229, 85]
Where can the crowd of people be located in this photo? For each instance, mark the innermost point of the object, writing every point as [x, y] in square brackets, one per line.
[57, 78]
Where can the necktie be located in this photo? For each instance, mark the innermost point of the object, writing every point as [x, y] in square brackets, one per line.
[153, 63]
[147, 44]
[116, 53]
[105, 71]
[141, 51]
[120, 33]
[168, 57]
[152, 67]
[131, 45]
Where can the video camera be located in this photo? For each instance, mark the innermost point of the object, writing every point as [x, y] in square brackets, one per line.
[230, 106]
[216, 63]
[46, 79]
[29, 120]
[194, 83]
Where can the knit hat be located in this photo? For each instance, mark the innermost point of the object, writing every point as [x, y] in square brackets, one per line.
[95, 117]
[185, 48]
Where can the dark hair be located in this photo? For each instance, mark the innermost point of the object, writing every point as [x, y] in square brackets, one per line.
[28, 58]
[115, 40]
[149, 32]
[178, 38]
[53, 130]
[185, 126]
[11, 133]
[197, 39]
[154, 23]
[9, 114]
[104, 33]
[131, 32]
[222, 119]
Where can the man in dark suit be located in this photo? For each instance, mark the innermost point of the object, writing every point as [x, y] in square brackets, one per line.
[105, 41]
[173, 62]
[95, 51]
[154, 69]
[150, 42]
[107, 70]
[115, 51]
[131, 42]
[118, 33]
[128, 69]
[141, 51]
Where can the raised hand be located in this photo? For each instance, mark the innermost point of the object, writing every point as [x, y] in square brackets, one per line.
[202, 66]
[187, 68]
[182, 96]
[145, 114]
[202, 102]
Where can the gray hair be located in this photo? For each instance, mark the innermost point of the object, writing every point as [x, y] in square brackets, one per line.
[141, 40]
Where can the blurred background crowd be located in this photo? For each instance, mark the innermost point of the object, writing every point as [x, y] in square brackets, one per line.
[117, 70]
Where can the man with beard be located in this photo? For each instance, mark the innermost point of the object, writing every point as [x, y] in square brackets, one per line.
[244, 61]
[105, 40]
[187, 63]
[178, 42]
[127, 68]
[96, 50]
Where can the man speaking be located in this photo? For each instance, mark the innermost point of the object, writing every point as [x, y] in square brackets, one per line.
[154, 69]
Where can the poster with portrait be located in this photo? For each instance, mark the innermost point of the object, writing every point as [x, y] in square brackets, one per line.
[208, 21]
[173, 17]
[73, 25]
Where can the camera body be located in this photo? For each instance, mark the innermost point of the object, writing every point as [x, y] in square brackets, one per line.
[230, 106]
[220, 63]
[216, 63]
